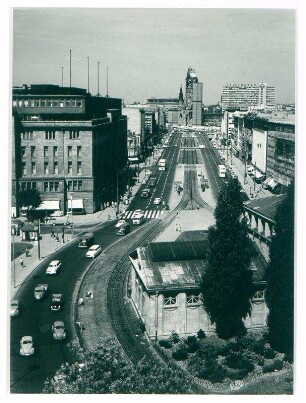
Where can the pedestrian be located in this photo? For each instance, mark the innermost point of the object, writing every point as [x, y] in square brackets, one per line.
[27, 252]
[179, 228]
[52, 233]
[21, 262]
[176, 227]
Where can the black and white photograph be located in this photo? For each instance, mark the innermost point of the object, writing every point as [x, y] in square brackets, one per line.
[152, 191]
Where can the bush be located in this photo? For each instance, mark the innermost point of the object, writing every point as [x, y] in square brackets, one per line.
[165, 343]
[238, 361]
[236, 374]
[276, 365]
[175, 338]
[201, 334]
[180, 352]
[268, 352]
[212, 371]
[210, 347]
[192, 344]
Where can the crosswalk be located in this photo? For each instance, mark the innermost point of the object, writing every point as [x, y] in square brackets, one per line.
[148, 214]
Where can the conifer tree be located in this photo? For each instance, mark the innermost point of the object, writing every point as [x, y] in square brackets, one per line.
[227, 282]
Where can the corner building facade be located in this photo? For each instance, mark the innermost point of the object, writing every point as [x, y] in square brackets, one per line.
[67, 144]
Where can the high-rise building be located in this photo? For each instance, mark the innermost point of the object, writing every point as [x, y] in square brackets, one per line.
[62, 141]
[191, 79]
[197, 92]
[242, 96]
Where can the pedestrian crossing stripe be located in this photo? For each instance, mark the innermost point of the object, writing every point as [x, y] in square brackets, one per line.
[148, 214]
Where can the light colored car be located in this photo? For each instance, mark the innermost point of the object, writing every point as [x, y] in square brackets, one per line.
[15, 307]
[120, 223]
[26, 346]
[54, 267]
[157, 200]
[58, 330]
[40, 291]
[201, 146]
[137, 213]
[94, 251]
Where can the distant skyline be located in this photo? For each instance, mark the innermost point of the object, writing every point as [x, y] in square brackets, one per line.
[148, 51]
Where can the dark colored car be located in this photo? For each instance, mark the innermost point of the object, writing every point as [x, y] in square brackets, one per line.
[56, 302]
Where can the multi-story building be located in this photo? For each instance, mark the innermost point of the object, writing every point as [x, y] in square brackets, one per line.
[62, 142]
[197, 94]
[242, 96]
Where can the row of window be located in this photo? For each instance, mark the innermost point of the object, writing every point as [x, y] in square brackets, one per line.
[195, 299]
[48, 103]
[47, 166]
[46, 151]
[50, 135]
[52, 186]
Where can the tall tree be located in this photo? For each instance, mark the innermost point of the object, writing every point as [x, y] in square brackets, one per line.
[227, 282]
[280, 278]
[29, 198]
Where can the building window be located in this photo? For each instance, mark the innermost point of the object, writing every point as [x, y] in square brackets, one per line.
[33, 149]
[259, 296]
[49, 103]
[192, 299]
[32, 103]
[69, 151]
[67, 103]
[51, 186]
[50, 135]
[33, 185]
[46, 151]
[33, 168]
[23, 152]
[14, 103]
[27, 135]
[79, 168]
[56, 186]
[80, 185]
[26, 103]
[55, 168]
[69, 186]
[70, 167]
[79, 151]
[171, 300]
[79, 103]
[55, 152]
[55, 103]
[74, 134]
[43, 103]
[61, 104]
[73, 103]
[37, 103]
[24, 168]
[75, 185]
[45, 186]
[46, 168]
[20, 103]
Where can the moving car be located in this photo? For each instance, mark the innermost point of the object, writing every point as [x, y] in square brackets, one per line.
[53, 267]
[145, 193]
[15, 308]
[40, 291]
[124, 229]
[56, 302]
[26, 346]
[137, 213]
[86, 240]
[139, 219]
[94, 251]
[157, 200]
[120, 223]
[58, 330]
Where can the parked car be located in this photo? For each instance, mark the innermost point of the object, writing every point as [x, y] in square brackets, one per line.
[120, 223]
[157, 200]
[54, 267]
[40, 291]
[26, 346]
[15, 307]
[58, 330]
[56, 302]
[94, 251]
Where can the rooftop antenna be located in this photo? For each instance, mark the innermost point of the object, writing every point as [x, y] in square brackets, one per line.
[70, 67]
[107, 82]
[88, 74]
[62, 76]
[98, 95]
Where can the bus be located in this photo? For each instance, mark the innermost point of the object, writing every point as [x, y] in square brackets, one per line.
[221, 171]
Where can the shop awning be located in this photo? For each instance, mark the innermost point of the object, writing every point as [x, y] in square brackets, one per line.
[133, 159]
[267, 181]
[49, 205]
[76, 203]
[272, 184]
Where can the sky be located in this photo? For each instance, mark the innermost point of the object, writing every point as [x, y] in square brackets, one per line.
[148, 51]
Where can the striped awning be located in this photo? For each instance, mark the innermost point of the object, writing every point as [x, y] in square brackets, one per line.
[49, 205]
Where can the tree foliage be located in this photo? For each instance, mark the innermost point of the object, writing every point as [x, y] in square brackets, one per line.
[29, 198]
[227, 282]
[105, 369]
[280, 278]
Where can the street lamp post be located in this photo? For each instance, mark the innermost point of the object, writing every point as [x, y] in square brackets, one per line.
[14, 266]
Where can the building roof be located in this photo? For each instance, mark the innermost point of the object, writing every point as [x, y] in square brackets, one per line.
[265, 206]
[162, 265]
